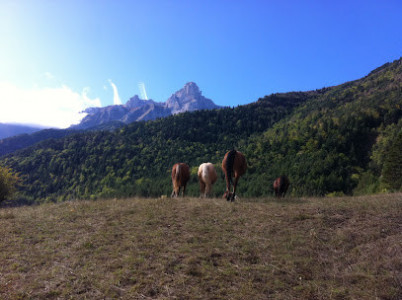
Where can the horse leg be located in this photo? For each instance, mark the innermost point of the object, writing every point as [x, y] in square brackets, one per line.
[227, 193]
[281, 192]
[207, 190]
[234, 188]
[174, 194]
[202, 189]
[184, 190]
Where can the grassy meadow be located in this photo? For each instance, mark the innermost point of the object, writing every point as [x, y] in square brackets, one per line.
[292, 248]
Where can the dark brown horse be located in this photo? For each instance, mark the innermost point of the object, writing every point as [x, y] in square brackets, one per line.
[281, 185]
[233, 165]
[180, 176]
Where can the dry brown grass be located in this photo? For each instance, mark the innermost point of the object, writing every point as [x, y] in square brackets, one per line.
[321, 248]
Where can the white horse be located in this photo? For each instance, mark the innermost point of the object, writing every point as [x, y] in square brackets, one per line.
[207, 176]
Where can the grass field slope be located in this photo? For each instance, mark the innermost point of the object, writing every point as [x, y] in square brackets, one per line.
[293, 248]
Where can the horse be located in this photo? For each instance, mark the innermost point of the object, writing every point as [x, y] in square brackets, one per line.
[281, 185]
[233, 164]
[180, 176]
[207, 177]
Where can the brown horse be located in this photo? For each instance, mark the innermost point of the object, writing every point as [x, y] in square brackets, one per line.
[180, 176]
[281, 185]
[233, 164]
[207, 177]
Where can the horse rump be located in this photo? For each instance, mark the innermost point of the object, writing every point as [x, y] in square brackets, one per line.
[233, 164]
[281, 185]
[180, 176]
[207, 177]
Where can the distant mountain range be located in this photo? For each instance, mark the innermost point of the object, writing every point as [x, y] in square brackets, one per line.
[189, 98]
[7, 130]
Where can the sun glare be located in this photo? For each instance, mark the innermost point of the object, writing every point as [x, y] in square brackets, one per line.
[50, 107]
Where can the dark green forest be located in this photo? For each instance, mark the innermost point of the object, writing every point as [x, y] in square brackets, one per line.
[14, 143]
[340, 140]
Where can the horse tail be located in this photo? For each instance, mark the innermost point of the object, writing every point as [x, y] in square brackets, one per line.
[229, 164]
[178, 175]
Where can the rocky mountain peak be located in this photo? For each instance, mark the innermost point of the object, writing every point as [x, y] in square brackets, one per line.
[135, 102]
[191, 88]
[189, 98]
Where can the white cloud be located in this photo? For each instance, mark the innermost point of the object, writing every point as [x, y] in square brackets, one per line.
[116, 97]
[143, 92]
[50, 107]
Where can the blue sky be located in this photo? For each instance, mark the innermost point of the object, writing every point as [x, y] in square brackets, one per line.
[63, 56]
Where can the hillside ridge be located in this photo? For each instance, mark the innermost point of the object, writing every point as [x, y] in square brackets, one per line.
[9, 130]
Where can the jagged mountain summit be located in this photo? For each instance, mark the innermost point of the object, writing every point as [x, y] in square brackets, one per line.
[189, 98]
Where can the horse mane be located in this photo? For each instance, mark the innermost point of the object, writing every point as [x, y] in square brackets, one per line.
[229, 164]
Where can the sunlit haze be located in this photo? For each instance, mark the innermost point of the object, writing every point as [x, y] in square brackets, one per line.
[59, 57]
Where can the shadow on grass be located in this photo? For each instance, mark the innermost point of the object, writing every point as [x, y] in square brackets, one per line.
[16, 203]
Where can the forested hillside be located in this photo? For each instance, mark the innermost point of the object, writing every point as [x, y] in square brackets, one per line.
[339, 140]
[14, 143]
[347, 140]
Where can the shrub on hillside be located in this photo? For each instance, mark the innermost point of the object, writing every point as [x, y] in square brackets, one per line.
[8, 182]
[392, 172]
